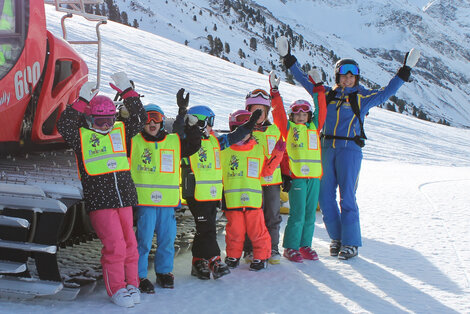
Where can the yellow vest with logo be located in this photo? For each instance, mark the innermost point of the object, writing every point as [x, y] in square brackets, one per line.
[268, 140]
[303, 148]
[207, 170]
[104, 153]
[156, 170]
[241, 177]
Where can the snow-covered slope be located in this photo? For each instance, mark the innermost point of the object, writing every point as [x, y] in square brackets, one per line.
[413, 197]
[376, 33]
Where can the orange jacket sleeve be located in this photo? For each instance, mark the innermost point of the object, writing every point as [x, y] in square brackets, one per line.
[271, 164]
[279, 113]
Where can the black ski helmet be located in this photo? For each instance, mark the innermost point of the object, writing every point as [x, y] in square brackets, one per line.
[342, 62]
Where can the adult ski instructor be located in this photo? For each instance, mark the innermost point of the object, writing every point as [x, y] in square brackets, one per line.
[343, 137]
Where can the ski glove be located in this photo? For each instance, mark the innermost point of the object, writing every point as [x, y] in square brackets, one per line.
[250, 124]
[123, 85]
[411, 58]
[283, 48]
[182, 101]
[87, 92]
[191, 120]
[123, 112]
[315, 76]
[274, 80]
[286, 183]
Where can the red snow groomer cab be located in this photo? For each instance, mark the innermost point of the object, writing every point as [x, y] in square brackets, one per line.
[40, 194]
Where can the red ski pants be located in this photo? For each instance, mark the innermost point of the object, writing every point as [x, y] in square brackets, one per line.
[249, 222]
[119, 256]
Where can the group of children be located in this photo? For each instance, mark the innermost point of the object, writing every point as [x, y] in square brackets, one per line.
[136, 163]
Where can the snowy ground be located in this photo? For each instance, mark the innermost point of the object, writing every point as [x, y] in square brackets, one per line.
[413, 198]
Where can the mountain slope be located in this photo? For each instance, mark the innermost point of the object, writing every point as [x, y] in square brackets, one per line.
[376, 33]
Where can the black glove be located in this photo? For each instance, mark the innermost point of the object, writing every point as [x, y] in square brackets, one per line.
[283, 48]
[182, 101]
[286, 183]
[289, 60]
[411, 58]
[404, 73]
[250, 124]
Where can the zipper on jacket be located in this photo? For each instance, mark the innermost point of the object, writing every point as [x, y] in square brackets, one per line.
[117, 189]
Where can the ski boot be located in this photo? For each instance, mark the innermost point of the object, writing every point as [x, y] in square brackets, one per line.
[218, 268]
[200, 269]
[258, 264]
[347, 252]
[335, 246]
[166, 280]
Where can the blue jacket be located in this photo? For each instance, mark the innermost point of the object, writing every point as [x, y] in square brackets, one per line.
[340, 119]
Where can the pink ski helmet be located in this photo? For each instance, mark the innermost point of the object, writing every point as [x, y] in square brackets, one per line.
[238, 118]
[101, 106]
[258, 97]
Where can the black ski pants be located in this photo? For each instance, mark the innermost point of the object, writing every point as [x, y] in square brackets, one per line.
[205, 241]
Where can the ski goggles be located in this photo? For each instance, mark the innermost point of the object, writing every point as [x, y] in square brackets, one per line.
[300, 106]
[154, 116]
[101, 121]
[242, 118]
[204, 121]
[344, 69]
[258, 92]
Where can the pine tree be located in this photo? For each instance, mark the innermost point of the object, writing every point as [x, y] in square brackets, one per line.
[253, 44]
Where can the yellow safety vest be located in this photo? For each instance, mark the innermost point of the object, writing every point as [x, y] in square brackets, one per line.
[241, 177]
[7, 21]
[303, 148]
[155, 169]
[207, 170]
[268, 140]
[104, 153]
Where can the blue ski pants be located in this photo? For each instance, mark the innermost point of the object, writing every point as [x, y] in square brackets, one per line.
[159, 220]
[341, 168]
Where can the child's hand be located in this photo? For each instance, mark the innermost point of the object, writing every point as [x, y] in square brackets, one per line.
[191, 120]
[280, 145]
[123, 85]
[274, 80]
[182, 101]
[286, 183]
[88, 91]
[314, 76]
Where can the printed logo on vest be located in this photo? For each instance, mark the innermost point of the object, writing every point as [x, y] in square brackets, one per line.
[234, 163]
[94, 141]
[305, 169]
[268, 178]
[202, 154]
[146, 156]
[112, 164]
[213, 191]
[296, 134]
[156, 196]
[244, 198]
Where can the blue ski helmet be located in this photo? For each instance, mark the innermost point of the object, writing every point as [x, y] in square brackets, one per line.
[153, 107]
[343, 66]
[203, 113]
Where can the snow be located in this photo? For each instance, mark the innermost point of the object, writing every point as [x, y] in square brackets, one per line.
[413, 198]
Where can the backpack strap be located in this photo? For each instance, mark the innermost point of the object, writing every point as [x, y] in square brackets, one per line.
[353, 101]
